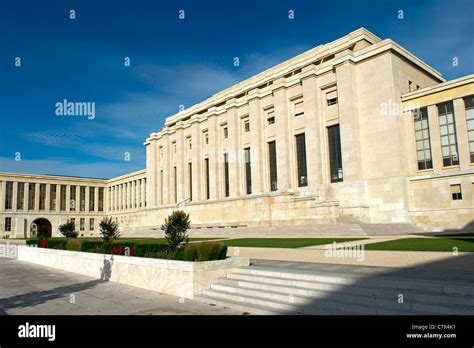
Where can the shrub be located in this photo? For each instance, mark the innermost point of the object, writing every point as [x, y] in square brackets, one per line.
[205, 251]
[57, 243]
[68, 230]
[32, 241]
[73, 245]
[122, 250]
[143, 249]
[109, 230]
[175, 228]
[92, 246]
[44, 243]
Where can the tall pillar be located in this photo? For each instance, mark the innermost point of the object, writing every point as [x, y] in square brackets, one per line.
[257, 158]
[37, 187]
[78, 198]
[314, 130]
[283, 137]
[234, 150]
[87, 198]
[215, 136]
[48, 197]
[96, 199]
[58, 197]
[464, 154]
[14, 196]
[26, 191]
[435, 141]
[3, 189]
[68, 199]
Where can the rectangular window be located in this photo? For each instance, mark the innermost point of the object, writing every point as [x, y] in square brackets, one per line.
[226, 174]
[271, 116]
[447, 129]
[298, 107]
[190, 178]
[206, 138]
[8, 194]
[301, 160]
[456, 192]
[72, 198]
[91, 198]
[144, 191]
[335, 157]
[42, 196]
[82, 198]
[247, 125]
[52, 197]
[175, 176]
[206, 168]
[101, 199]
[82, 223]
[469, 103]
[272, 160]
[8, 224]
[31, 196]
[62, 204]
[331, 98]
[226, 132]
[91, 224]
[20, 196]
[422, 138]
[248, 171]
[173, 146]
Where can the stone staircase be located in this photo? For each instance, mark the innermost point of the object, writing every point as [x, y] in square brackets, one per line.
[273, 291]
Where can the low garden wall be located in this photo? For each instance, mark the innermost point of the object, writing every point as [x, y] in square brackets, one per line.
[178, 278]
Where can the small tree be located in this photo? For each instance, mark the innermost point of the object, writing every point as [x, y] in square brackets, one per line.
[68, 230]
[109, 229]
[175, 228]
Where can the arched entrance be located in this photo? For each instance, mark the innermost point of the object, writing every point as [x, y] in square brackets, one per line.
[41, 226]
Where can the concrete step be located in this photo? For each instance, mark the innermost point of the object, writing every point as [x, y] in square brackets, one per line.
[242, 306]
[278, 276]
[352, 293]
[333, 300]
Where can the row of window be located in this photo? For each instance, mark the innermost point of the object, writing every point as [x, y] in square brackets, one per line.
[448, 136]
[335, 160]
[117, 200]
[82, 223]
[297, 109]
[30, 199]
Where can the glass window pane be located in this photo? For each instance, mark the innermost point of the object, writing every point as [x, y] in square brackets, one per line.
[426, 144]
[442, 120]
[417, 125]
[470, 114]
[419, 145]
[424, 123]
[445, 151]
[471, 147]
[451, 129]
[471, 136]
[418, 135]
[425, 134]
[444, 141]
[453, 149]
[452, 139]
[450, 118]
[427, 154]
[420, 155]
[443, 130]
[470, 124]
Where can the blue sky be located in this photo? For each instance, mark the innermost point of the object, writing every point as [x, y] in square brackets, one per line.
[173, 62]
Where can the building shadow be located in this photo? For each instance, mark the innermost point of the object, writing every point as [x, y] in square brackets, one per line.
[38, 297]
[453, 273]
[466, 229]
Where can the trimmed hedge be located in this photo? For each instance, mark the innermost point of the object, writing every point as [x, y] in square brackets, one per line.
[205, 251]
[202, 251]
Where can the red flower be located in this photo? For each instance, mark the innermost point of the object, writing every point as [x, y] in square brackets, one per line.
[120, 250]
[44, 243]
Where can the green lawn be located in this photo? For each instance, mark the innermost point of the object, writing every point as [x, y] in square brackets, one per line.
[285, 242]
[424, 244]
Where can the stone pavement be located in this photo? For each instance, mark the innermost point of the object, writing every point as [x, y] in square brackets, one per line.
[29, 289]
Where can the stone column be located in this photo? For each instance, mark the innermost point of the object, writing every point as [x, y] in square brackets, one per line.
[314, 129]
[461, 133]
[235, 150]
[37, 186]
[58, 197]
[180, 165]
[283, 137]
[3, 186]
[96, 199]
[215, 135]
[14, 196]
[142, 192]
[26, 207]
[48, 197]
[349, 121]
[78, 198]
[151, 164]
[256, 142]
[197, 139]
[68, 199]
[87, 199]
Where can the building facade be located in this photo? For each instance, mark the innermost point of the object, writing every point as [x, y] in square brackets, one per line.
[358, 129]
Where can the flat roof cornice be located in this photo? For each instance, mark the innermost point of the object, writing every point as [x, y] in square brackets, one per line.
[464, 80]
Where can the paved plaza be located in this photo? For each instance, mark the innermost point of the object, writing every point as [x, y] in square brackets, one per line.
[29, 289]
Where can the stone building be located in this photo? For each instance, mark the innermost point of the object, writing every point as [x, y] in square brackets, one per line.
[358, 129]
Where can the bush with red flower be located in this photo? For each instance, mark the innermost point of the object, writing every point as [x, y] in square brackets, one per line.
[122, 250]
[44, 243]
